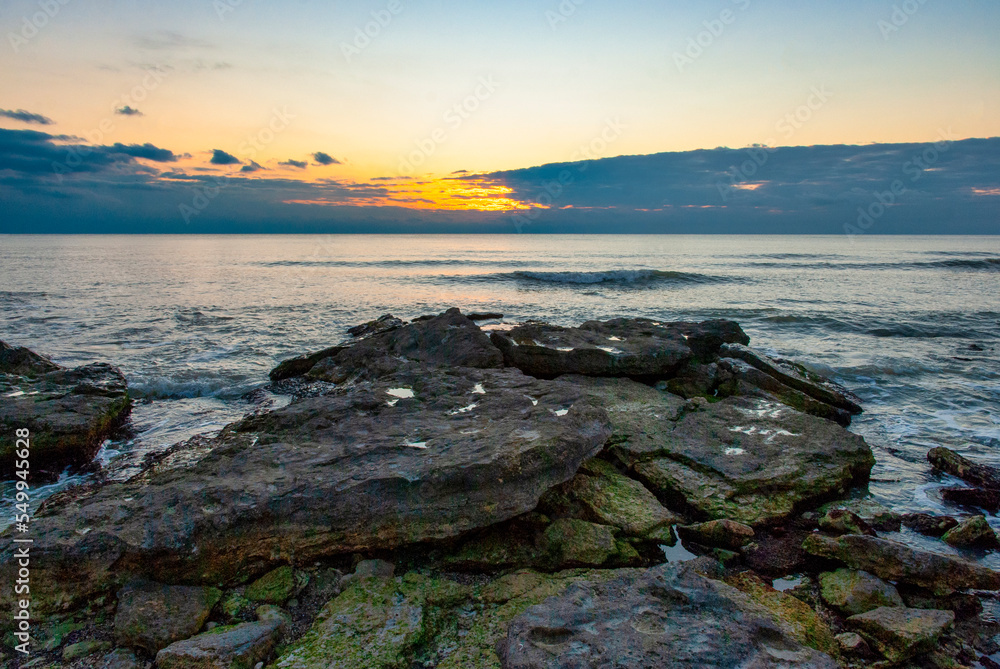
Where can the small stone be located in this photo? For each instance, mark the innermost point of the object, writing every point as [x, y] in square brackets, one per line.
[901, 633]
[852, 644]
[878, 516]
[269, 613]
[151, 615]
[853, 592]
[928, 525]
[273, 587]
[233, 604]
[972, 532]
[723, 533]
[121, 658]
[242, 645]
[842, 521]
[83, 649]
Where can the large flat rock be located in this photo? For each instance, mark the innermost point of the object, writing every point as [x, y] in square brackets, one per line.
[68, 412]
[662, 617]
[746, 459]
[411, 457]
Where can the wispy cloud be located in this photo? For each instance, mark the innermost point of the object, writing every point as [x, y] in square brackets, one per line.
[26, 116]
[128, 111]
[291, 162]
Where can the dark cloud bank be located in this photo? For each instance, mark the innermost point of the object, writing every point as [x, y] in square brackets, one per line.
[951, 187]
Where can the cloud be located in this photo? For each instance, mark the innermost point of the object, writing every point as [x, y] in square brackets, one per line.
[301, 164]
[169, 39]
[147, 151]
[220, 157]
[252, 167]
[325, 159]
[26, 116]
[34, 152]
[128, 111]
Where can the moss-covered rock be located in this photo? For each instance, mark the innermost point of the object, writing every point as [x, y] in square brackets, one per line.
[601, 494]
[151, 615]
[577, 542]
[376, 623]
[972, 532]
[83, 649]
[901, 633]
[852, 592]
[804, 623]
[274, 587]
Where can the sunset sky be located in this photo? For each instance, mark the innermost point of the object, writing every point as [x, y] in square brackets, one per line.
[318, 107]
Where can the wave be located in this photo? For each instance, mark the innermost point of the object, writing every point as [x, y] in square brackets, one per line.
[389, 263]
[982, 264]
[172, 388]
[620, 277]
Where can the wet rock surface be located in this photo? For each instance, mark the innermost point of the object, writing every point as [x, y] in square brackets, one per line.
[362, 470]
[660, 617]
[68, 412]
[893, 561]
[749, 460]
[491, 512]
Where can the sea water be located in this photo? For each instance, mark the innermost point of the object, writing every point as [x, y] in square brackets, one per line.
[910, 324]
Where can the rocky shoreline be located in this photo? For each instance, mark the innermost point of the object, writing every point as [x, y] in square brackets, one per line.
[440, 494]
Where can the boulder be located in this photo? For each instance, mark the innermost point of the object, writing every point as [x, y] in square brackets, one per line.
[302, 364]
[746, 459]
[449, 339]
[801, 621]
[723, 533]
[239, 646]
[796, 377]
[151, 616]
[972, 532]
[363, 470]
[926, 524]
[68, 412]
[987, 499]
[381, 324]
[21, 361]
[892, 561]
[851, 643]
[273, 587]
[852, 592]
[376, 623]
[737, 377]
[579, 543]
[548, 351]
[601, 494]
[661, 617]
[948, 461]
[877, 516]
[901, 633]
[842, 521]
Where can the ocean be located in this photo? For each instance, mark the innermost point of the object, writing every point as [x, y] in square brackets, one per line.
[910, 324]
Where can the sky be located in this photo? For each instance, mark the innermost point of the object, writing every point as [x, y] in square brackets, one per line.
[543, 116]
